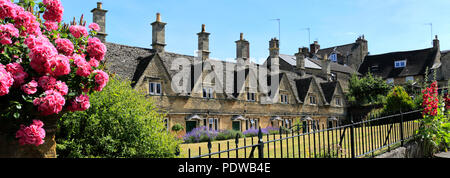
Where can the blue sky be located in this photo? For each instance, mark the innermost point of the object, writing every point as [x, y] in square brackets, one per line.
[388, 25]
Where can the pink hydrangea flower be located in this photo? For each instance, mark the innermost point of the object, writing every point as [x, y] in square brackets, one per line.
[101, 79]
[80, 103]
[7, 32]
[64, 46]
[84, 69]
[17, 72]
[52, 103]
[51, 25]
[94, 26]
[96, 49]
[30, 88]
[54, 10]
[78, 31]
[47, 82]
[32, 135]
[6, 80]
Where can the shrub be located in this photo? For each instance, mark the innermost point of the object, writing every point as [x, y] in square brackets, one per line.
[121, 123]
[398, 100]
[177, 128]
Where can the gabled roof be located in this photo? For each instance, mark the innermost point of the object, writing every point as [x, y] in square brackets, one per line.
[416, 63]
[303, 87]
[335, 67]
[343, 50]
[328, 90]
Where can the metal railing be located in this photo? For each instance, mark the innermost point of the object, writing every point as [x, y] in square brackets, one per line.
[352, 140]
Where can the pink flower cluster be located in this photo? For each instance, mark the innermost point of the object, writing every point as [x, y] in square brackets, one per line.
[18, 73]
[101, 79]
[430, 100]
[52, 103]
[7, 9]
[6, 80]
[80, 103]
[7, 32]
[33, 134]
[94, 26]
[30, 88]
[96, 49]
[54, 10]
[78, 31]
[50, 25]
[52, 67]
[64, 46]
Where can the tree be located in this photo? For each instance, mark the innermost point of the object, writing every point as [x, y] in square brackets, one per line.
[367, 89]
[121, 123]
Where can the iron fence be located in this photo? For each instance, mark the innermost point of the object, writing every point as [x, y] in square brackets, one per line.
[365, 138]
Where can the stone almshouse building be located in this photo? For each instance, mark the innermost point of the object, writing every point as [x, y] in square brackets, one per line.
[311, 87]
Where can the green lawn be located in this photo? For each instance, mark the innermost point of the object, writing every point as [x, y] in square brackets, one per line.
[303, 146]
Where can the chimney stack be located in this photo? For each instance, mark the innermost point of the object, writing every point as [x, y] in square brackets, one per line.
[326, 67]
[274, 48]
[158, 34]
[242, 48]
[436, 43]
[99, 17]
[301, 56]
[315, 47]
[203, 43]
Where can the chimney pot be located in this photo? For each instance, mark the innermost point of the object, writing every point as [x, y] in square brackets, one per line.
[158, 17]
[99, 5]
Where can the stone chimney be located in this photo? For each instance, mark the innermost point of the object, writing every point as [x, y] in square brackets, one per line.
[436, 43]
[99, 17]
[274, 48]
[203, 43]
[315, 47]
[242, 48]
[301, 56]
[326, 67]
[158, 34]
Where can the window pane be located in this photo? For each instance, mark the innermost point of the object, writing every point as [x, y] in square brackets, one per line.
[152, 88]
[158, 88]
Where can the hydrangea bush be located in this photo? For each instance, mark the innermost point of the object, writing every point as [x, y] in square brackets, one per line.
[46, 67]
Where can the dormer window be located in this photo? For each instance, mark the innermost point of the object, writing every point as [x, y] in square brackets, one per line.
[400, 64]
[375, 68]
[251, 97]
[312, 100]
[284, 99]
[155, 88]
[208, 93]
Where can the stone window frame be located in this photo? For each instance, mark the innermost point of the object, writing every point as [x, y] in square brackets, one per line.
[390, 81]
[214, 125]
[400, 64]
[284, 98]
[338, 101]
[312, 99]
[153, 88]
[409, 78]
[251, 97]
[208, 93]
